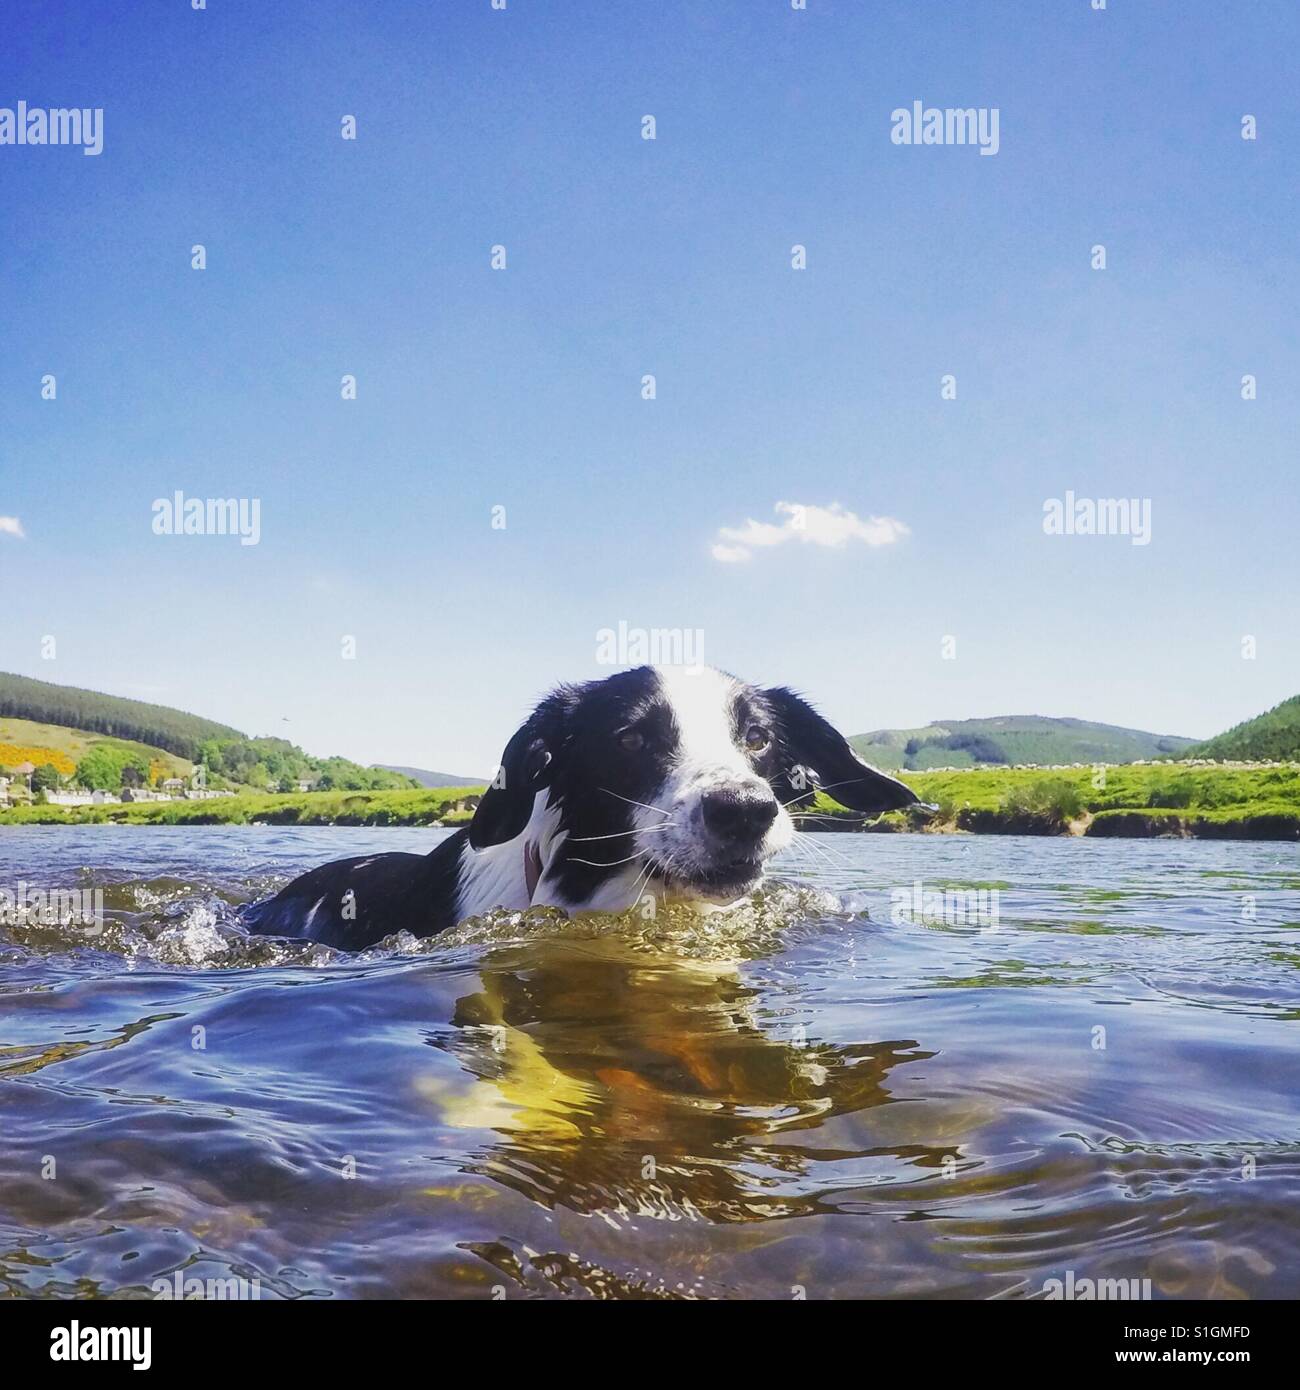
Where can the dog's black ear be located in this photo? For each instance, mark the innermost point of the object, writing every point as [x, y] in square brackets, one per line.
[527, 766]
[810, 743]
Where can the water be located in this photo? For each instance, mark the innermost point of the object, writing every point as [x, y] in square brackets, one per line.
[795, 1097]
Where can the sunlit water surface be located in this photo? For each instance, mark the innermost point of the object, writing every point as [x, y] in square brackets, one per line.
[818, 1095]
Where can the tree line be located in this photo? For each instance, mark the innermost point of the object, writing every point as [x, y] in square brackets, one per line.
[169, 729]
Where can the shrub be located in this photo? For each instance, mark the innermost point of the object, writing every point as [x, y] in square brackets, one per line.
[1045, 803]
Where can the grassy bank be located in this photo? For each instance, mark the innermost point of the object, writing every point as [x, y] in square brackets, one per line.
[1248, 802]
[435, 806]
[1206, 802]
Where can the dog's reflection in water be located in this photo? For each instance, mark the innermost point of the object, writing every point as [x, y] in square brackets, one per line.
[629, 1085]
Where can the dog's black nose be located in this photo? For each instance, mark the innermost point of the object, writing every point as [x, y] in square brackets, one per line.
[737, 815]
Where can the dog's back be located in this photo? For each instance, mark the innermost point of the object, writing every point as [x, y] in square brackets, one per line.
[352, 903]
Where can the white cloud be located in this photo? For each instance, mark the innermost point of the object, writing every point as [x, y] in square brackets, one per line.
[833, 527]
[11, 526]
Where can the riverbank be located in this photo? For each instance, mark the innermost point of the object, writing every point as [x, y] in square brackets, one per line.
[1259, 801]
[1202, 801]
[432, 806]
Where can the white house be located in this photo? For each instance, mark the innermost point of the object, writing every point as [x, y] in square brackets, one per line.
[78, 798]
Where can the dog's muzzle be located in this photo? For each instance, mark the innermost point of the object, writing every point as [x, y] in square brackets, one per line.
[727, 842]
[737, 818]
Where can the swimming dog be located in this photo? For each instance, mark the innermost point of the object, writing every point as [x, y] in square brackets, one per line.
[669, 781]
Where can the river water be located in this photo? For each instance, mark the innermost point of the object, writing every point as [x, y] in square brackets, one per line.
[916, 1065]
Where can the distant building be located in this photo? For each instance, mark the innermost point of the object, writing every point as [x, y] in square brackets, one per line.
[70, 798]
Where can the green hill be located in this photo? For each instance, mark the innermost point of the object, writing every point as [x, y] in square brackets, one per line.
[134, 720]
[30, 739]
[69, 720]
[1273, 736]
[433, 779]
[1011, 739]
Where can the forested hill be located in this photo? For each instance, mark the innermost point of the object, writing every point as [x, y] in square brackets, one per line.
[157, 725]
[231, 757]
[1009, 739]
[1273, 736]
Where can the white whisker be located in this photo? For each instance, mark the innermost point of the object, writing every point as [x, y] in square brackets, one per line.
[618, 834]
[657, 809]
[597, 864]
[642, 879]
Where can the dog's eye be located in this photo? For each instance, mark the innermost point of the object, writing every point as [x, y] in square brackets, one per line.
[630, 741]
[757, 738]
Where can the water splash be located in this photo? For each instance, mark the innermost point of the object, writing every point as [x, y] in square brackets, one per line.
[164, 921]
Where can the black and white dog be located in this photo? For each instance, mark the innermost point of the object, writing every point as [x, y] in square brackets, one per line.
[666, 781]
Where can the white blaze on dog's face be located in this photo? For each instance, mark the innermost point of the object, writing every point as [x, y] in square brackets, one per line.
[714, 820]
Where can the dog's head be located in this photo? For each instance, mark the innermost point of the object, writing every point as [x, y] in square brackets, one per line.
[669, 780]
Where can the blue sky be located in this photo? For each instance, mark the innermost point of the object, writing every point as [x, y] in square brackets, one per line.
[522, 388]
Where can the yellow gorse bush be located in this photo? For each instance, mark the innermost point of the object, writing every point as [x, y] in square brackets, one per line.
[14, 755]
